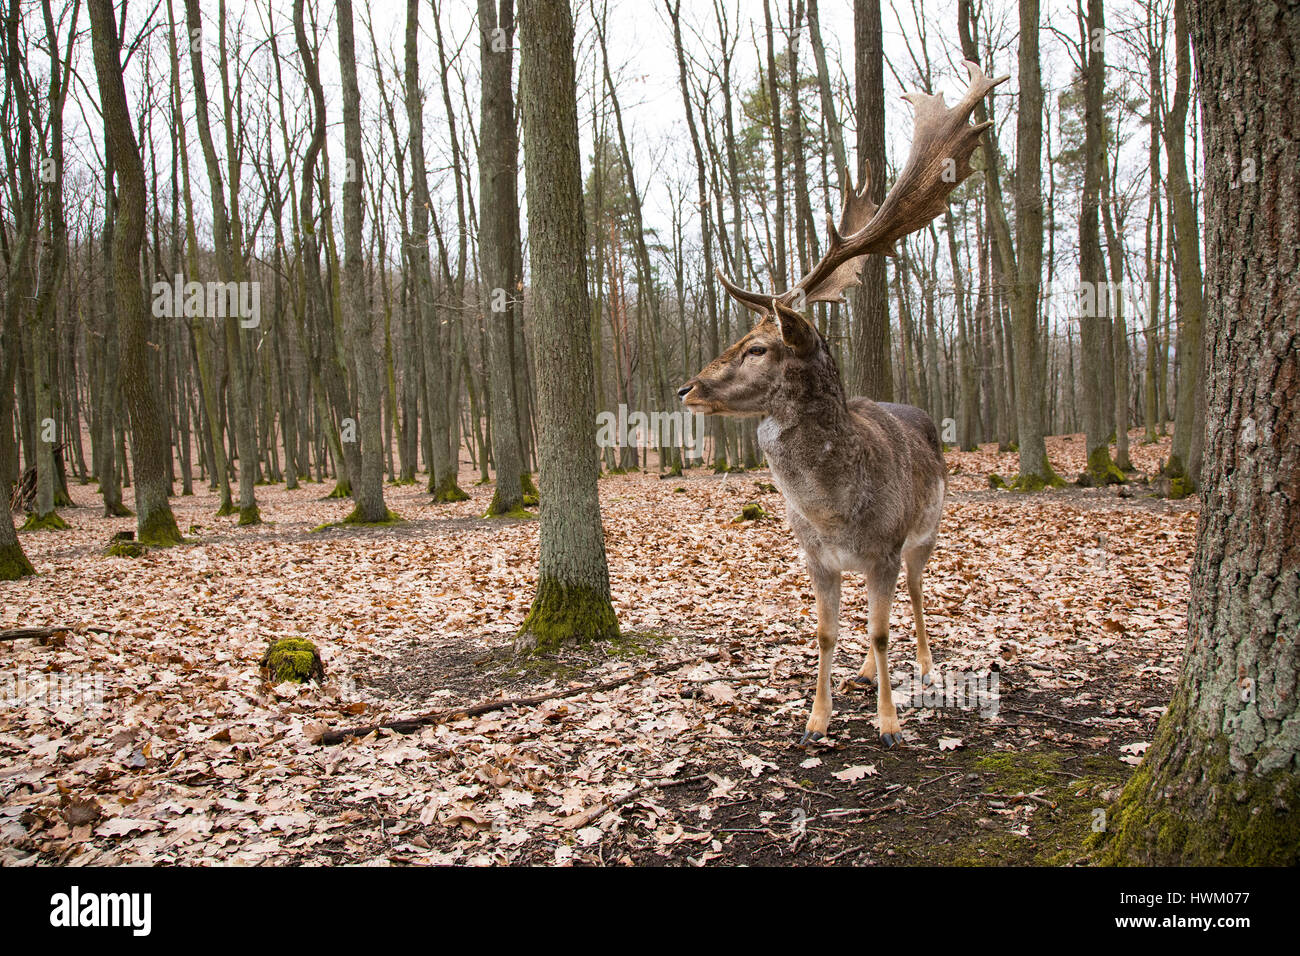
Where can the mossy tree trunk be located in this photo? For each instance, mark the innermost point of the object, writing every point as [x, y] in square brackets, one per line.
[150, 440]
[572, 602]
[498, 161]
[1221, 782]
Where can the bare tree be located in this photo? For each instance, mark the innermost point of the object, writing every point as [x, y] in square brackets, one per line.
[368, 492]
[150, 446]
[498, 163]
[873, 374]
[572, 601]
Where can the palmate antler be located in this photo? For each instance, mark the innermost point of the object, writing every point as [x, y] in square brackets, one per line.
[938, 160]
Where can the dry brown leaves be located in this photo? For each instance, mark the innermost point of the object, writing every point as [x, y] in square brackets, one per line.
[191, 757]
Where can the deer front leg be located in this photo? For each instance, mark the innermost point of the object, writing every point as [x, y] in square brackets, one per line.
[914, 563]
[880, 594]
[826, 585]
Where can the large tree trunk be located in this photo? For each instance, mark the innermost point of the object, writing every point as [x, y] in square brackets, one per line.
[1221, 781]
[498, 159]
[150, 447]
[873, 374]
[572, 602]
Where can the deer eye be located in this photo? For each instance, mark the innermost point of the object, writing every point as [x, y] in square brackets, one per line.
[756, 350]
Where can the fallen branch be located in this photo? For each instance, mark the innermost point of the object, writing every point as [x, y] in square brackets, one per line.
[41, 633]
[22, 633]
[592, 814]
[412, 724]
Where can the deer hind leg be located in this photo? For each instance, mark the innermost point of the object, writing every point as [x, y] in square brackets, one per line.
[914, 561]
[826, 585]
[880, 593]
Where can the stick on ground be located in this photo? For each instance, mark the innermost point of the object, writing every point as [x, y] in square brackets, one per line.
[412, 724]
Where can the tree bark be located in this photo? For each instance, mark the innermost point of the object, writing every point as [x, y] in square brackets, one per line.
[150, 447]
[572, 601]
[873, 373]
[1184, 464]
[1221, 782]
[498, 163]
[1094, 298]
[368, 490]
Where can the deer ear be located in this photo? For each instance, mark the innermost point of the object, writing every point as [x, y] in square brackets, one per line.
[796, 331]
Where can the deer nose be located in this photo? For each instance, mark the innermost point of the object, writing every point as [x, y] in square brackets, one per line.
[685, 390]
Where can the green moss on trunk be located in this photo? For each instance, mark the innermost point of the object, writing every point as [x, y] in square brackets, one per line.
[565, 614]
[46, 522]
[448, 491]
[249, 516]
[1186, 806]
[13, 563]
[1032, 482]
[503, 504]
[517, 512]
[1174, 480]
[527, 486]
[1101, 470]
[355, 517]
[159, 529]
[342, 489]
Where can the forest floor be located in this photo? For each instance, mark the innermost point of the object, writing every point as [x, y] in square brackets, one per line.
[147, 734]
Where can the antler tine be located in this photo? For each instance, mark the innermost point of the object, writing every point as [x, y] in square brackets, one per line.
[754, 301]
[939, 159]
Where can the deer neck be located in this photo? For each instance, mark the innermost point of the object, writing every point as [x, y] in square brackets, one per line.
[807, 422]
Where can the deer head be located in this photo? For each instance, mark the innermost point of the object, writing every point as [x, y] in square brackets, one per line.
[784, 358]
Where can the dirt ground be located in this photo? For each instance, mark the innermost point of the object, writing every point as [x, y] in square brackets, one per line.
[147, 733]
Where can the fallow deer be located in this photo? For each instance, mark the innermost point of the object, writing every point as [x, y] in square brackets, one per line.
[863, 481]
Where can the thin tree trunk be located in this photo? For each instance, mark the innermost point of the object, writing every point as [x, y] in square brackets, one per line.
[572, 601]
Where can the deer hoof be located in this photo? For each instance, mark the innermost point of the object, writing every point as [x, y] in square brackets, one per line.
[865, 682]
[890, 740]
[811, 737]
[927, 679]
